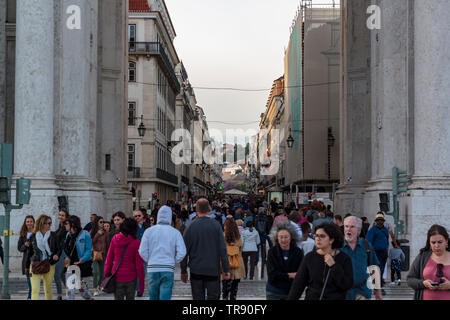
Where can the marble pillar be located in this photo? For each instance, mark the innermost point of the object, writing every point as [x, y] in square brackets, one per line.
[430, 191]
[390, 75]
[355, 109]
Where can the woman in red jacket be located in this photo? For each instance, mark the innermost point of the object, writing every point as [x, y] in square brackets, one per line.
[132, 266]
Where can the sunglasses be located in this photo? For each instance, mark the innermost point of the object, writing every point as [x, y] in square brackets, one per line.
[138, 216]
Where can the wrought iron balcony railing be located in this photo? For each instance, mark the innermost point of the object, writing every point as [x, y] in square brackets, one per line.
[134, 172]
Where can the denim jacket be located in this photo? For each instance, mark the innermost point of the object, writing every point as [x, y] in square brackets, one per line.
[84, 246]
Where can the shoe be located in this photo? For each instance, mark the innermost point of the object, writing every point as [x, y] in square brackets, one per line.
[96, 293]
[393, 283]
[399, 282]
[139, 295]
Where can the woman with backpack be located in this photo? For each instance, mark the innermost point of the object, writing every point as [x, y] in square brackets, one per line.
[251, 241]
[234, 245]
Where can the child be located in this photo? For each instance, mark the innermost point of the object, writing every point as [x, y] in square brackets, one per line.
[397, 258]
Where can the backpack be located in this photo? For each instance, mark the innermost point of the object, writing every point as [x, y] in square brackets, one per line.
[261, 224]
[233, 257]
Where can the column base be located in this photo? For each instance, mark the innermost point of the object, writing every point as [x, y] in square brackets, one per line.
[350, 199]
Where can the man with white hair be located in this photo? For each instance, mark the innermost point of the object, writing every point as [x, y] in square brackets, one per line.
[362, 255]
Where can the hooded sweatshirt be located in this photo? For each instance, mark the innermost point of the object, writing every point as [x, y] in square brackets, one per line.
[162, 246]
[132, 265]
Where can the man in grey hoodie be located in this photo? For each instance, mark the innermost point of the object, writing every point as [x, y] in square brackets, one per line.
[206, 249]
[162, 246]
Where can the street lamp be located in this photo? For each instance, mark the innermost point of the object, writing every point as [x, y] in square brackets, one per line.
[142, 128]
[290, 140]
[331, 138]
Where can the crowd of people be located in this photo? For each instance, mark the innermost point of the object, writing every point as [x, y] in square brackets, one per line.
[303, 250]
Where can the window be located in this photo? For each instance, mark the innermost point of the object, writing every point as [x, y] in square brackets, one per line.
[107, 162]
[131, 113]
[132, 37]
[132, 71]
[131, 157]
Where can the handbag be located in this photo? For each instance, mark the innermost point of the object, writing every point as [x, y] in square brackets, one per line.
[97, 256]
[109, 283]
[40, 267]
[86, 269]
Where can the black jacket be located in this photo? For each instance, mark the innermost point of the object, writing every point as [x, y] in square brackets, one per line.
[312, 275]
[53, 244]
[27, 253]
[61, 239]
[278, 268]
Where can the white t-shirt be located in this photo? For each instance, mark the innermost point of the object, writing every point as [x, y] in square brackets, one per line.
[307, 245]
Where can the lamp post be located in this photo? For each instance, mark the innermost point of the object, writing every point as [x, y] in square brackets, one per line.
[142, 128]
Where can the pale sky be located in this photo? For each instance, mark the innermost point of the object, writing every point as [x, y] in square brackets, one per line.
[233, 43]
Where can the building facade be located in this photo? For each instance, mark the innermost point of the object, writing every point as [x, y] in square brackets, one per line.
[394, 111]
[62, 97]
[152, 90]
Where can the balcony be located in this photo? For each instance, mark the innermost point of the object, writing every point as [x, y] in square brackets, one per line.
[166, 176]
[134, 172]
[156, 49]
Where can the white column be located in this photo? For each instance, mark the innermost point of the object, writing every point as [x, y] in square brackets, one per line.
[33, 140]
[431, 181]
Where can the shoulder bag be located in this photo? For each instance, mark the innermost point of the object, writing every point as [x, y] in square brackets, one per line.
[109, 283]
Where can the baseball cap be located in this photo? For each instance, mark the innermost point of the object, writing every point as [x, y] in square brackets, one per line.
[379, 216]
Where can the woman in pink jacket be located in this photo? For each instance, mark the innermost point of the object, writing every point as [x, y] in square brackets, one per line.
[132, 266]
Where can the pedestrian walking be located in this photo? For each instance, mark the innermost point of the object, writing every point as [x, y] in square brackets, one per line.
[131, 269]
[61, 233]
[239, 223]
[205, 248]
[397, 258]
[107, 229]
[283, 261]
[327, 272]
[142, 226]
[307, 244]
[378, 237]
[294, 218]
[263, 224]
[430, 272]
[362, 255]
[98, 236]
[280, 217]
[162, 246]
[78, 252]
[2, 255]
[251, 240]
[24, 246]
[88, 227]
[234, 245]
[45, 248]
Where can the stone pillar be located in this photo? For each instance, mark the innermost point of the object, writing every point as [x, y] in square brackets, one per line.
[390, 76]
[430, 191]
[3, 50]
[355, 114]
[33, 139]
[112, 128]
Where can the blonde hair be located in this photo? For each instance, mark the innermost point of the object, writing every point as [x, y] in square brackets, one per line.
[40, 223]
[239, 222]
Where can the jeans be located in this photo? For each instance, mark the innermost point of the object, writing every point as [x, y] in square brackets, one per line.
[160, 285]
[125, 290]
[97, 272]
[262, 246]
[230, 289]
[58, 277]
[36, 284]
[201, 288]
[252, 256]
[382, 256]
[29, 287]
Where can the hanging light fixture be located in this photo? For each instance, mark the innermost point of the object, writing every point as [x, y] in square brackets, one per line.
[142, 128]
[290, 140]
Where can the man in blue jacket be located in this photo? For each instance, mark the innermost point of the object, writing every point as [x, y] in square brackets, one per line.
[378, 237]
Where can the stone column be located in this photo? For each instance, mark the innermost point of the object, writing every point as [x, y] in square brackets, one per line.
[3, 50]
[389, 98]
[355, 114]
[33, 141]
[430, 191]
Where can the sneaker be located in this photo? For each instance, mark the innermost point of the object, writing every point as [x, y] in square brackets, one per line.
[96, 293]
[399, 282]
[393, 283]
